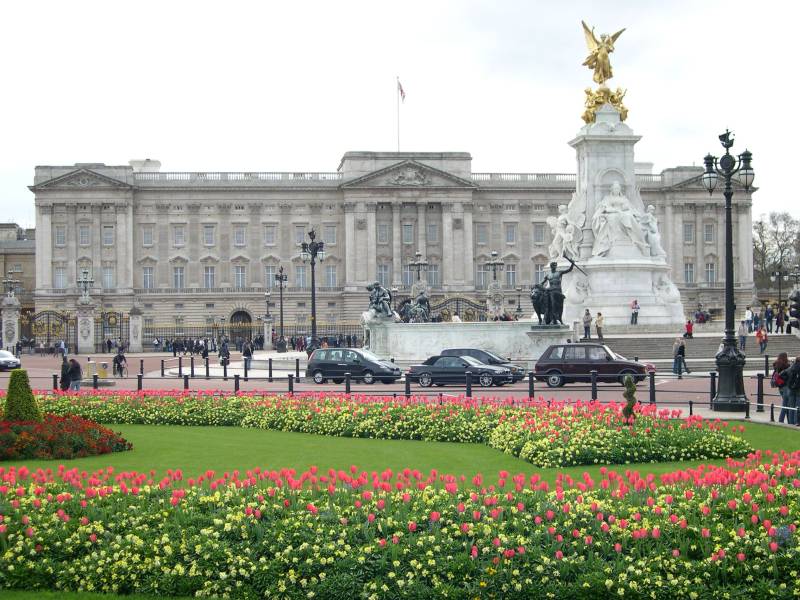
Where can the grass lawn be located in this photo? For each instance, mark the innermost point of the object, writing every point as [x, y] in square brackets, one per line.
[196, 449]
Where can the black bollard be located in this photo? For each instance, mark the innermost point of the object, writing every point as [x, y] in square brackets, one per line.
[139, 378]
[186, 382]
[408, 388]
[652, 377]
[269, 366]
[245, 370]
[747, 410]
[691, 408]
[141, 366]
[712, 391]
[291, 383]
[593, 375]
[55, 381]
[180, 366]
[760, 392]
[297, 368]
[207, 370]
[191, 366]
[766, 365]
[162, 367]
[771, 412]
[530, 385]
[469, 384]
[94, 381]
[236, 382]
[347, 383]
[225, 369]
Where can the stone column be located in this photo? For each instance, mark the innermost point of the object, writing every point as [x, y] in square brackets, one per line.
[372, 242]
[9, 314]
[86, 309]
[469, 252]
[350, 246]
[421, 227]
[268, 324]
[397, 268]
[743, 237]
[448, 274]
[135, 330]
[44, 247]
[669, 231]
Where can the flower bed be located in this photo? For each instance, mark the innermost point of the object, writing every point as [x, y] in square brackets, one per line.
[57, 437]
[547, 434]
[708, 532]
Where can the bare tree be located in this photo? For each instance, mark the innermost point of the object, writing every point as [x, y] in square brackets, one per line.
[776, 241]
[761, 253]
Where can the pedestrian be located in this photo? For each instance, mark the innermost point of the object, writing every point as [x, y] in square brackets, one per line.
[75, 375]
[769, 315]
[598, 325]
[791, 377]
[779, 319]
[65, 366]
[777, 381]
[742, 335]
[635, 312]
[247, 354]
[756, 320]
[678, 357]
[761, 336]
[689, 329]
[748, 319]
[108, 344]
[587, 325]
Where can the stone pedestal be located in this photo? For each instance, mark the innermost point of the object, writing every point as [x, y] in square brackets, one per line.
[9, 314]
[268, 324]
[85, 311]
[135, 333]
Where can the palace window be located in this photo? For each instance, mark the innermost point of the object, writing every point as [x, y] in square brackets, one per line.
[511, 275]
[329, 234]
[208, 235]
[539, 272]
[433, 233]
[711, 272]
[708, 233]
[178, 235]
[108, 278]
[269, 235]
[383, 275]
[481, 276]
[299, 234]
[269, 276]
[383, 233]
[61, 235]
[511, 233]
[59, 278]
[239, 276]
[688, 233]
[84, 235]
[409, 276]
[408, 233]
[108, 235]
[688, 272]
[300, 276]
[177, 277]
[538, 233]
[330, 276]
[147, 235]
[209, 277]
[239, 235]
[148, 281]
[481, 233]
[433, 275]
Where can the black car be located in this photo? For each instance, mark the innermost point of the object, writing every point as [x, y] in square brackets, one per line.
[8, 360]
[566, 363]
[488, 358]
[441, 370]
[333, 363]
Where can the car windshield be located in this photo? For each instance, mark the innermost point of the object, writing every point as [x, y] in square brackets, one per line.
[614, 354]
[6, 354]
[370, 356]
[471, 361]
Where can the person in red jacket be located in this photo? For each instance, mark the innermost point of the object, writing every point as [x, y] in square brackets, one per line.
[689, 329]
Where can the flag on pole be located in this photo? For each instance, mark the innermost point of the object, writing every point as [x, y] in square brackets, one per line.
[400, 90]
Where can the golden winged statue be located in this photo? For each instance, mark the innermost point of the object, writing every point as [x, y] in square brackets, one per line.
[599, 51]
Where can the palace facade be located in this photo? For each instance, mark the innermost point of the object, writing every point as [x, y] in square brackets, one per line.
[200, 247]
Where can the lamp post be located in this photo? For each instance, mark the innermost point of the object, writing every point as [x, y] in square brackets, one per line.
[10, 283]
[730, 360]
[519, 303]
[395, 292]
[222, 320]
[780, 276]
[419, 264]
[266, 301]
[495, 264]
[311, 251]
[280, 280]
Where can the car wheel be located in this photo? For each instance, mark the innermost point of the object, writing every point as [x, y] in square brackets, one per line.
[485, 379]
[624, 374]
[425, 379]
[555, 379]
[368, 377]
[319, 378]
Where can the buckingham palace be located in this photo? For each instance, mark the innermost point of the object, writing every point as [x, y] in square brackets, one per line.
[194, 247]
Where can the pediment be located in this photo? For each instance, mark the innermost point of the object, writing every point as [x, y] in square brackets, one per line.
[209, 258]
[270, 258]
[81, 179]
[409, 174]
[148, 258]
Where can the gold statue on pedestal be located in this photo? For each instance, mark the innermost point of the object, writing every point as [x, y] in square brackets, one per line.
[598, 60]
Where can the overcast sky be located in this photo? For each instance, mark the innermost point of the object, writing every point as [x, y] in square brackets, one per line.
[289, 86]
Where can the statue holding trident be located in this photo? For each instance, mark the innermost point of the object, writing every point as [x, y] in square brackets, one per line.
[555, 297]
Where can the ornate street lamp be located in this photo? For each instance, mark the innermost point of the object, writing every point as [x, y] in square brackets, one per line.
[266, 301]
[730, 360]
[85, 283]
[280, 280]
[311, 251]
[496, 264]
[419, 264]
[222, 320]
[780, 276]
[395, 293]
[519, 303]
[10, 283]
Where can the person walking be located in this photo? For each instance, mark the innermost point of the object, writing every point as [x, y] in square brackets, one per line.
[748, 319]
[75, 375]
[761, 336]
[65, 366]
[635, 312]
[769, 315]
[678, 357]
[742, 332]
[792, 378]
[779, 319]
[777, 380]
[689, 327]
[587, 325]
[598, 325]
[247, 354]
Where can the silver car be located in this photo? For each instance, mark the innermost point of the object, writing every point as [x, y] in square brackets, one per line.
[8, 361]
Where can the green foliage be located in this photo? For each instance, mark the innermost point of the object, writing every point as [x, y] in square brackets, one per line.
[630, 397]
[20, 403]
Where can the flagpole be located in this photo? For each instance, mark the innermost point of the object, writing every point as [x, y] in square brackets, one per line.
[397, 100]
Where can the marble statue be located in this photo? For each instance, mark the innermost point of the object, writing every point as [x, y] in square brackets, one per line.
[615, 220]
[566, 227]
[649, 225]
[555, 297]
[421, 309]
[380, 300]
[599, 51]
